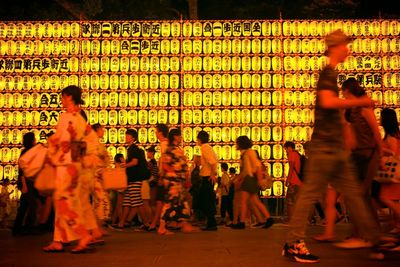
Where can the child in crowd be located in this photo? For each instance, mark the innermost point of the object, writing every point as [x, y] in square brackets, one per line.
[226, 205]
[118, 195]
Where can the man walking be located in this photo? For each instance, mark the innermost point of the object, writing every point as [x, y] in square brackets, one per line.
[328, 160]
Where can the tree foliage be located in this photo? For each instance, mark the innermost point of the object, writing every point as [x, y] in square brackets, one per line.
[207, 9]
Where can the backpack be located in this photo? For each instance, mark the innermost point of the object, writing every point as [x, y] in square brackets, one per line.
[300, 173]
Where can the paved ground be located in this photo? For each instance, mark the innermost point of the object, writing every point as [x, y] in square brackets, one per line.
[226, 247]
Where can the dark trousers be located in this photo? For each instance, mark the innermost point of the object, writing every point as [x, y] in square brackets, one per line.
[26, 213]
[208, 201]
[226, 206]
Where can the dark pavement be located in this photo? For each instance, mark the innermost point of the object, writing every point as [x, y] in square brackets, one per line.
[226, 247]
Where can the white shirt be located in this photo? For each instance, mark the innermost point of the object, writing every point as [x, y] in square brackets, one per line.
[208, 158]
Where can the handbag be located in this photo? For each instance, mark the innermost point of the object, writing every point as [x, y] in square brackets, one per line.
[264, 180]
[32, 161]
[391, 171]
[115, 179]
[45, 181]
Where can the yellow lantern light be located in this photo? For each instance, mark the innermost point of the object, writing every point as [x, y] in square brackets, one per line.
[142, 117]
[197, 116]
[226, 135]
[143, 99]
[226, 46]
[197, 63]
[226, 63]
[123, 117]
[173, 116]
[226, 116]
[207, 116]
[207, 98]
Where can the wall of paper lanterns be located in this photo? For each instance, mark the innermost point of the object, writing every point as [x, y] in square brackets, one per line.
[229, 78]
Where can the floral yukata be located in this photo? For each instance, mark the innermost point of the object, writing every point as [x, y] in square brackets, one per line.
[175, 169]
[69, 223]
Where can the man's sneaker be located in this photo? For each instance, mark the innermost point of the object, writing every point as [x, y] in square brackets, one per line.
[354, 243]
[257, 225]
[298, 252]
[239, 225]
[268, 223]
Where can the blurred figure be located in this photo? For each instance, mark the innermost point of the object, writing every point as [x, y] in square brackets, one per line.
[328, 160]
[250, 164]
[208, 174]
[390, 192]
[101, 201]
[162, 135]
[226, 205]
[366, 151]
[116, 216]
[136, 165]
[66, 153]
[176, 206]
[25, 221]
[195, 181]
[293, 181]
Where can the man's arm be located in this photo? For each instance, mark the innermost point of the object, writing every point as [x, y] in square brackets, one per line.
[329, 100]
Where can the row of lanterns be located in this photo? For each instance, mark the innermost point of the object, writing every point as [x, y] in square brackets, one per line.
[196, 28]
[190, 99]
[175, 46]
[192, 64]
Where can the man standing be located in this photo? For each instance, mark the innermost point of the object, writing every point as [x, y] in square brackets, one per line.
[293, 181]
[328, 160]
[208, 174]
[135, 169]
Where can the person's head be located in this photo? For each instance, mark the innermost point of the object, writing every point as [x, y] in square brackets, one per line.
[203, 137]
[174, 136]
[289, 146]
[161, 131]
[352, 88]
[119, 158]
[151, 151]
[232, 170]
[131, 136]
[390, 123]
[28, 140]
[224, 166]
[337, 46]
[99, 129]
[197, 160]
[243, 142]
[71, 96]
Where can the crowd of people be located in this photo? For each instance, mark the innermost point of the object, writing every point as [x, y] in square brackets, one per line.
[173, 193]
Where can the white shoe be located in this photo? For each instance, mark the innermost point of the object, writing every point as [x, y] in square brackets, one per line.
[354, 243]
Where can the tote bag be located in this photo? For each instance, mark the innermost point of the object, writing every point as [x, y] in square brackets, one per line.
[391, 172]
[45, 181]
[32, 161]
[115, 179]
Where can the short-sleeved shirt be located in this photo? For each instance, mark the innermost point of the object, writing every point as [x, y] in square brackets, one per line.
[294, 159]
[328, 122]
[134, 173]
[362, 130]
[208, 158]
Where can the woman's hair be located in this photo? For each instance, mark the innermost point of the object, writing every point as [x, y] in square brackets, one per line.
[28, 140]
[118, 158]
[244, 142]
[133, 133]
[162, 128]
[390, 123]
[96, 126]
[172, 133]
[75, 92]
[203, 136]
[354, 87]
